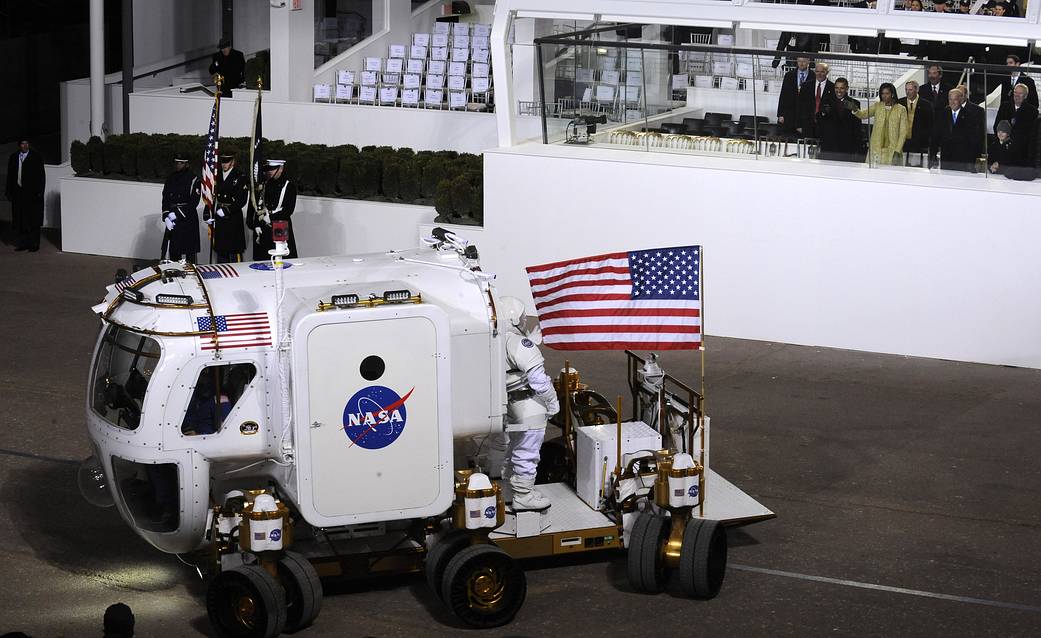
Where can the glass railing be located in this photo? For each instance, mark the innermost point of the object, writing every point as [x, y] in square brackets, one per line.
[891, 112]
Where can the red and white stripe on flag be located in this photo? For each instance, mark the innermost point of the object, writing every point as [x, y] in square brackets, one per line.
[646, 299]
[209, 159]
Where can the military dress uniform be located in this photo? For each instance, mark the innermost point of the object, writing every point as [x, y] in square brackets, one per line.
[229, 231]
[278, 202]
[180, 204]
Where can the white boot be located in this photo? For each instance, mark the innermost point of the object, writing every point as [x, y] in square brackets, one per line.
[525, 496]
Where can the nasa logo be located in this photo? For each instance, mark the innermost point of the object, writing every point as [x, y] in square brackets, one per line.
[276, 535]
[489, 512]
[264, 265]
[527, 343]
[693, 491]
[375, 417]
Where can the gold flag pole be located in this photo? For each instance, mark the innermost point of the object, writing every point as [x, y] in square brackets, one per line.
[253, 147]
[219, 80]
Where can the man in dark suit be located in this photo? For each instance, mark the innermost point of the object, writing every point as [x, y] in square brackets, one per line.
[821, 90]
[25, 184]
[919, 122]
[956, 135]
[979, 115]
[838, 128]
[1019, 113]
[1016, 78]
[229, 64]
[801, 42]
[934, 89]
[791, 86]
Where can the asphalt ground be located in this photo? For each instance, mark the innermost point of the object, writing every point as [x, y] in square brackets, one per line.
[907, 493]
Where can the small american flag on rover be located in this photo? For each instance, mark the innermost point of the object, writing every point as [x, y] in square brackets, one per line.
[645, 299]
[247, 330]
[217, 271]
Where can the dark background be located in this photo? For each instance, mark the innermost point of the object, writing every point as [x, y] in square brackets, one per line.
[43, 43]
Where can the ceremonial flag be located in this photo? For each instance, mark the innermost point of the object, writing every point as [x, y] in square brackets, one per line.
[645, 299]
[256, 152]
[209, 158]
[247, 330]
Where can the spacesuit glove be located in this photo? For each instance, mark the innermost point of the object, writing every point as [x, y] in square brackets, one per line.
[169, 221]
[549, 400]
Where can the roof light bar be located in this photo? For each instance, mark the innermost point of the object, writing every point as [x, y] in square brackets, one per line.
[174, 300]
[345, 301]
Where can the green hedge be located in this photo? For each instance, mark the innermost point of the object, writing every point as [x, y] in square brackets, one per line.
[451, 182]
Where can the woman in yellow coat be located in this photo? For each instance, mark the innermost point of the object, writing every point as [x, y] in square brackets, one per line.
[889, 129]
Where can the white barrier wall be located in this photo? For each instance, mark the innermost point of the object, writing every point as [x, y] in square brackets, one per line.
[892, 261]
[323, 123]
[121, 219]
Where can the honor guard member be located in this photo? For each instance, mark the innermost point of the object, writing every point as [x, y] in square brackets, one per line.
[229, 230]
[532, 400]
[180, 213]
[277, 204]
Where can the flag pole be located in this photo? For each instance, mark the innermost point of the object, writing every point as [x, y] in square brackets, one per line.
[701, 412]
[253, 147]
[216, 149]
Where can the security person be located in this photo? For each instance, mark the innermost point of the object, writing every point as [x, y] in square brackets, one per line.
[230, 64]
[25, 186]
[229, 233]
[180, 214]
[277, 204]
[532, 400]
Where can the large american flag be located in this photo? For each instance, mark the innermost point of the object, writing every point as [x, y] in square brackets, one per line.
[246, 330]
[645, 299]
[209, 158]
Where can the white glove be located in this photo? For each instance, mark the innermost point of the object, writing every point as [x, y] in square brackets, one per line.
[542, 385]
[210, 221]
[169, 221]
[220, 211]
[258, 231]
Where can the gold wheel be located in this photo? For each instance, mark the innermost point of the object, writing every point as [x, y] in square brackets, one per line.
[485, 588]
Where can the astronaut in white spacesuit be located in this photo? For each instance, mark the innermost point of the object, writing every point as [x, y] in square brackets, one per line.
[532, 400]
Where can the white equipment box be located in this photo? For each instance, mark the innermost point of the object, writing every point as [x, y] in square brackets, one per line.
[597, 449]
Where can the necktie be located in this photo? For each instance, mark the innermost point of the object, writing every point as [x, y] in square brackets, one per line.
[802, 78]
[954, 115]
[21, 158]
[817, 99]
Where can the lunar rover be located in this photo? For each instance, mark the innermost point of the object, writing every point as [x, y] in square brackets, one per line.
[277, 423]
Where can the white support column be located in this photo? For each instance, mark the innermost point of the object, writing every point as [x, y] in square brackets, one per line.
[502, 72]
[97, 67]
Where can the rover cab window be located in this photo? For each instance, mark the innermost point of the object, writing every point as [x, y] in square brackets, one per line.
[214, 396]
[123, 368]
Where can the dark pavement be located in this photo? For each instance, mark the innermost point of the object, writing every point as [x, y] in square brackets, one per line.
[907, 493]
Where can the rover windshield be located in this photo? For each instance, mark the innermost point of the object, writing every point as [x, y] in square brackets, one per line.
[123, 367]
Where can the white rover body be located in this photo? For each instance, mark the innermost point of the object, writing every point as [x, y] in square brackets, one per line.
[230, 404]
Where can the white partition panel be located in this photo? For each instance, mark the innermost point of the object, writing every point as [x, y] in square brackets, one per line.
[121, 219]
[902, 262]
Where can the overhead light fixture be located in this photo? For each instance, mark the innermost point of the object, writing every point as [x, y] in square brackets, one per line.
[807, 28]
[556, 15]
[956, 37]
[672, 22]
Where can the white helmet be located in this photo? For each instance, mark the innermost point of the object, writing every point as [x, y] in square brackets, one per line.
[512, 310]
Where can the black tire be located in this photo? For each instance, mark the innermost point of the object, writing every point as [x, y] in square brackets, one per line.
[437, 558]
[483, 586]
[646, 561]
[303, 591]
[703, 558]
[246, 602]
